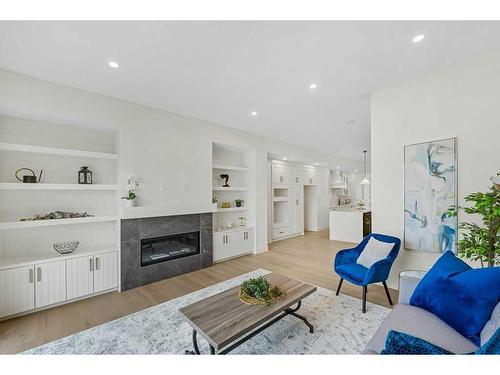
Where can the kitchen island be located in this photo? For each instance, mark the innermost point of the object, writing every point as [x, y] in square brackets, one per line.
[349, 224]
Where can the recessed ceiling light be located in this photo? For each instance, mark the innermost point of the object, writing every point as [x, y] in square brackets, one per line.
[285, 158]
[316, 164]
[349, 122]
[418, 38]
[254, 113]
[312, 86]
[355, 170]
[113, 64]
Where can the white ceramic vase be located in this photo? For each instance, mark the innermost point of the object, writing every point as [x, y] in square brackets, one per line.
[129, 202]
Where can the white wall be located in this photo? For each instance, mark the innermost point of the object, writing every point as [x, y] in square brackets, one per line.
[162, 148]
[462, 101]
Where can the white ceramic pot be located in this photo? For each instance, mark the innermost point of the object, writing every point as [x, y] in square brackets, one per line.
[129, 202]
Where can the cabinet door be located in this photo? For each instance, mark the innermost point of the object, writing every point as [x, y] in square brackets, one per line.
[280, 174]
[246, 243]
[17, 290]
[50, 283]
[79, 277]
[105, 271]
[310, 177]
[298, 176]
[219, 246]
[299, 209]
[291, 209]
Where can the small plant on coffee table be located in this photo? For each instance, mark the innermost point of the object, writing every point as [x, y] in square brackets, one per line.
[258, 291]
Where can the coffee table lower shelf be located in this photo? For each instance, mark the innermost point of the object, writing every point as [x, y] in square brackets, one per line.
[288, 311]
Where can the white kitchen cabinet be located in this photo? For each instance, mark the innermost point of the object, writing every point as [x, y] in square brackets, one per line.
[233, 243]
[298, 176]
[105, 271]
[299, 209]
[79, 277]
[50, 285]
[310, 176]
[280, 174]
[17, 290]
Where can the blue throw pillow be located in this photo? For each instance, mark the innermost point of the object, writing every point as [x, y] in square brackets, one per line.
[461, 296]
[492, 346]
[402, 343]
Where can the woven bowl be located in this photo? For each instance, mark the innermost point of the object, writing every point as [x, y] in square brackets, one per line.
[66, 247]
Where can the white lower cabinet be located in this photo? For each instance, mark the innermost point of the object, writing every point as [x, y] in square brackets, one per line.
[105, 271]
[43, 284]
[235, 243]
[17, 290]
[50, 286]
[80, 276]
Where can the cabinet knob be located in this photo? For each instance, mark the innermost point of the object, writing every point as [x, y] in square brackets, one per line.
[30, 275]
[38, 274]
[91, 264]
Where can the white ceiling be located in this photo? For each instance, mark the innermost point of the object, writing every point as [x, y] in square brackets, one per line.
[221, 71]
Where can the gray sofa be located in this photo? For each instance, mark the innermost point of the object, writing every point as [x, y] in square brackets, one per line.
[425, 325]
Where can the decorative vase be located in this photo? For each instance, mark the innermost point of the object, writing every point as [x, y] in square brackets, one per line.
[129, 202]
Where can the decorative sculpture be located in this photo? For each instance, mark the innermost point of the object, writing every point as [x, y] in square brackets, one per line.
[225, 177]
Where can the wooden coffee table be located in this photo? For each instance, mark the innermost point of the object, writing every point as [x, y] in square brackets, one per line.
[223, 320]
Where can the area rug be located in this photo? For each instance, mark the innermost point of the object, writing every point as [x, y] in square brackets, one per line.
[339, 328]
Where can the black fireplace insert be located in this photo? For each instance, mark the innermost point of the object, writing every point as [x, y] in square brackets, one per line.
[162, 249]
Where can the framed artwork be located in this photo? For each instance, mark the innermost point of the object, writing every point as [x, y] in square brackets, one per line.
[430, 188]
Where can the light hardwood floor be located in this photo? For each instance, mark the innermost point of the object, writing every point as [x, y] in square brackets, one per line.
[307, 258]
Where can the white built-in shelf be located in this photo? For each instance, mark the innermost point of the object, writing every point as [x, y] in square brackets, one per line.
[235, 229]
[52, 255]
[42, 186]
[232, 209]
[227, 167]
[231, 188]
[44, 223]
[280, 199]
[279, 225]
[56, 151]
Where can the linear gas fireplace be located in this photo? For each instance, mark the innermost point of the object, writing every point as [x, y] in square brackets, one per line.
[165, 248]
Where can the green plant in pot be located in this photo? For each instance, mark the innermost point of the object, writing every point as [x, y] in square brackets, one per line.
[480, 242]
[239, 202]
[258, 291]
[132, 185]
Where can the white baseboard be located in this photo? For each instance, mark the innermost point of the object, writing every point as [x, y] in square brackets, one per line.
[262, 250]
[317, 229]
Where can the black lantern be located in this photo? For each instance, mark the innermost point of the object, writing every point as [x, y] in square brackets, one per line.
[84, 175]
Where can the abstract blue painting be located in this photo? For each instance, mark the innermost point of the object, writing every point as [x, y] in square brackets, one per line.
[430, 179]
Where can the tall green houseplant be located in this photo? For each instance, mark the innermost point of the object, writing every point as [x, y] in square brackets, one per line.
[481, 242]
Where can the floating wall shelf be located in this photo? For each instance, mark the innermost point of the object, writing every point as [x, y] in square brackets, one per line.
[227, 167]
[232, 209]
[56, 151]
[42, 186]
[219, 188]
[44, 223]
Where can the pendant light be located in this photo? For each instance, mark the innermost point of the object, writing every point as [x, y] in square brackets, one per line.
[365, 181]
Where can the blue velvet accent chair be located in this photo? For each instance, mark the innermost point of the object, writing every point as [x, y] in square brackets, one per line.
[346, 267]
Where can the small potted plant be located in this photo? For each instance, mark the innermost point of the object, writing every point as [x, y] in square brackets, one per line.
[132, 185]
[239, 202]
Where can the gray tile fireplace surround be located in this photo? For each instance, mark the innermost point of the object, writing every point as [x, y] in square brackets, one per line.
[133, 230]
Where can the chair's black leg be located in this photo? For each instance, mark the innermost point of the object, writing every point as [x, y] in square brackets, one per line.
[365, 288]
[387, 292]
[340, 285]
